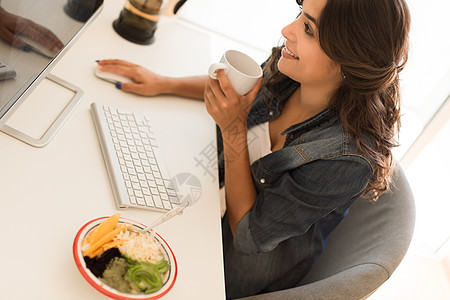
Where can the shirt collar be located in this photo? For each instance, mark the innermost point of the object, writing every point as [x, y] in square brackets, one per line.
[276, 105]
[321, 117]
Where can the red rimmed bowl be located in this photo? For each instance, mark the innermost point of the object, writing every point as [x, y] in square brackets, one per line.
[102, 287]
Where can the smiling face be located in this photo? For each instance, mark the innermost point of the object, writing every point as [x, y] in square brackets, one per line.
[302, 58]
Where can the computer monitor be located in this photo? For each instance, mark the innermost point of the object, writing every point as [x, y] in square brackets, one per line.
[34, 35]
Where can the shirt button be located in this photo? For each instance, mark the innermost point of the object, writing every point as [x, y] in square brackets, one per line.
[270, 113]
[262, 180]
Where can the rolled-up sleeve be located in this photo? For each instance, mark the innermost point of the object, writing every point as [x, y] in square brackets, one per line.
[299, 199]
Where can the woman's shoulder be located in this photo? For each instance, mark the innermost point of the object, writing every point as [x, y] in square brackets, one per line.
[328, 140]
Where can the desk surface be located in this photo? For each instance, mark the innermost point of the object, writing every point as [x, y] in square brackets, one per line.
[49, 193]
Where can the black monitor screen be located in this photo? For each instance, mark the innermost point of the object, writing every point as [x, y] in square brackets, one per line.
[33, 35]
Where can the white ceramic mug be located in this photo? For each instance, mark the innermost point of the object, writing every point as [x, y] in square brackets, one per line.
[241, 70]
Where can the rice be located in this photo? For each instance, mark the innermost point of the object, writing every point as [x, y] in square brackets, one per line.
[141, 246]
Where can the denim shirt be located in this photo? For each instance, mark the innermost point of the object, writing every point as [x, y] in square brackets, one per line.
[303, 191]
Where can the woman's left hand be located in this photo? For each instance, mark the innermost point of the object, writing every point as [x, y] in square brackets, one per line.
[225, 106]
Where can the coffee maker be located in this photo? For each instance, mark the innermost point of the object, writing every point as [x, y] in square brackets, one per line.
[81, 10]
[138, 20]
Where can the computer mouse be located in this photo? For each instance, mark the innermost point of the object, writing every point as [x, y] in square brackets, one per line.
[110, 77]
[37, 47]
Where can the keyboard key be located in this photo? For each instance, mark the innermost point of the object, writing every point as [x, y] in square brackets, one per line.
[140, 201]
[149, 201]
[153, 142]
[167, 205]
[158, 202]
[143, 184]
[168, 184]
[161, 189]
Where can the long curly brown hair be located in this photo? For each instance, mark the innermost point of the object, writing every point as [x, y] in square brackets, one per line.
[368, 39]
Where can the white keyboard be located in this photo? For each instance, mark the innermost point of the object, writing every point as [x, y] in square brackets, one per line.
[135, 165]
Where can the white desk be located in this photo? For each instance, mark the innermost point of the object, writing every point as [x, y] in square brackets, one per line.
[47, 194]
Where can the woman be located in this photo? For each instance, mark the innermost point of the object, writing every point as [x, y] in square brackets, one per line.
[325, 116]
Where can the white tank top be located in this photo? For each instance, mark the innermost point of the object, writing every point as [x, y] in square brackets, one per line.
[258, 141]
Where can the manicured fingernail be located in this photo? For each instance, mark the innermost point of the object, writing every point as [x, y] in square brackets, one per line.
[98, 60]
[26, 48]
[119, 86]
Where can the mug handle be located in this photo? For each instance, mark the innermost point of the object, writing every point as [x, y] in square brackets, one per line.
[216, 66]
